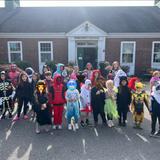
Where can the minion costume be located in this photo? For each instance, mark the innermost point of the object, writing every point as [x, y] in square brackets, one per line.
[73, 99]
[139, 98]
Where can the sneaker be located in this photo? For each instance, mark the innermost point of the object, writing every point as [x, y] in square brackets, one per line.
[82, 123]
[152, 134]
[69, 127]
[54, 127]
[76, 126]
[25, 117]
[158, 133]
[88, 122]
[112, 124]
[109, 123]
[59, 126]
[10, 115]
[16, 118]
[3, 117]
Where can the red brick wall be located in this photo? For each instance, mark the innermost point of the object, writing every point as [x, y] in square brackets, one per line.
[143, 51]
[30, 50]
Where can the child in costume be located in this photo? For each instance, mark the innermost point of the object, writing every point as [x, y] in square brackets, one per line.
[57, 91]
[72, 98]
[98, 101]
[139, 98]
[13, 74]
[88, 71]
[6, 95]
[110, 107]
[155, 109]
[43, 116]
[123, 100]
[23, 95]
[85, 97]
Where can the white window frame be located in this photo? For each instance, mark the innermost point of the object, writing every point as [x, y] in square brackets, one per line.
[134, 51]
[10, 52]
[154, 64]
[39, 49]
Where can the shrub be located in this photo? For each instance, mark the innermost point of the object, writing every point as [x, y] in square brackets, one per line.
[23, 64]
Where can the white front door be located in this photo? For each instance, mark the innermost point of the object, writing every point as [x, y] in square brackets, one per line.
[45, 51]
[127, 57]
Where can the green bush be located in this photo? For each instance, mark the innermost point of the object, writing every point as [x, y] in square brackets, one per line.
[51, 65]
[23, 64]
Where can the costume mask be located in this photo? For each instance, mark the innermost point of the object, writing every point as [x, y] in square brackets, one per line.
[71, 85]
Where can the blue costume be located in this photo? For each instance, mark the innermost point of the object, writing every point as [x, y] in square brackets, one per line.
[72, 97]
[60, 69]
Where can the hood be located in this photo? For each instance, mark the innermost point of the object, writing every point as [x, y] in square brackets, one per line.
[59, 65]
[56, 77]
[122, 79]
[87, 82]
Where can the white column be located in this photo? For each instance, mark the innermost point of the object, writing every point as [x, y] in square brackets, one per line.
[71, 49]
[101, 49]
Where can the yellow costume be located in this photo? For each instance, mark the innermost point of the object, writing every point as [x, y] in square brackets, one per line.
[139, 98]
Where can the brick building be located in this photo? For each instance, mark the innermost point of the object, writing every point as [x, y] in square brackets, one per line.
[130, 35]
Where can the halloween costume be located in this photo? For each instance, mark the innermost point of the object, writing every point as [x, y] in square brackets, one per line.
[43, 116]
[132, 82]
[57, 91]
[97, 103]
[73, 98]
[137, 105]
[155, 108]
[85, 97]
[13, 74]
[29, 72]
[110, 107]
[6, 94]
[123, 101]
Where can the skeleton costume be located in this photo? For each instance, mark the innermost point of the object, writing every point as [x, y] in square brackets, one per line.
[6, 95]
[155, 108]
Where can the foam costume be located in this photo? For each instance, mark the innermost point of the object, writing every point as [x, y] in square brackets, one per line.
[132, 82]
[85, 97]
[155, 108]
[41, 107]
[57, 91]
[73, 98]
[6, 95]
[137, 104]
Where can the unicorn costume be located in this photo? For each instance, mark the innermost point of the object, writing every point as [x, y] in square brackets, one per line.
[72, 97]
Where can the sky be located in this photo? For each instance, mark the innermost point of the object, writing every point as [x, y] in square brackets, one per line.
[46, 3]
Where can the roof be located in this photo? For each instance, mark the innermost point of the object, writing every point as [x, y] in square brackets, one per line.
[64, 19]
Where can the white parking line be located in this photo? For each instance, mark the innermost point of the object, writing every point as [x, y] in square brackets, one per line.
[142, 137]
[127, 138]
[84, 146]
[95, 130]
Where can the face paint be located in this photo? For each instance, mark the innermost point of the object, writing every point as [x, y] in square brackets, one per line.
[72, 85]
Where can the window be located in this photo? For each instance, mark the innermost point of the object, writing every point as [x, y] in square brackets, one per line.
[45, 51]
[156, 52]
[14, 51]
[127, 52]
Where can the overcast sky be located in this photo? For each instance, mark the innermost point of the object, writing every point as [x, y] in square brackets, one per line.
[38, 3]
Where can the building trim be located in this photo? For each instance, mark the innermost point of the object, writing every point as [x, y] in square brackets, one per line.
[32, 35]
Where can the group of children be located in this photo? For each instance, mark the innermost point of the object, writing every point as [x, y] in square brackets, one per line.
[80, 94]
